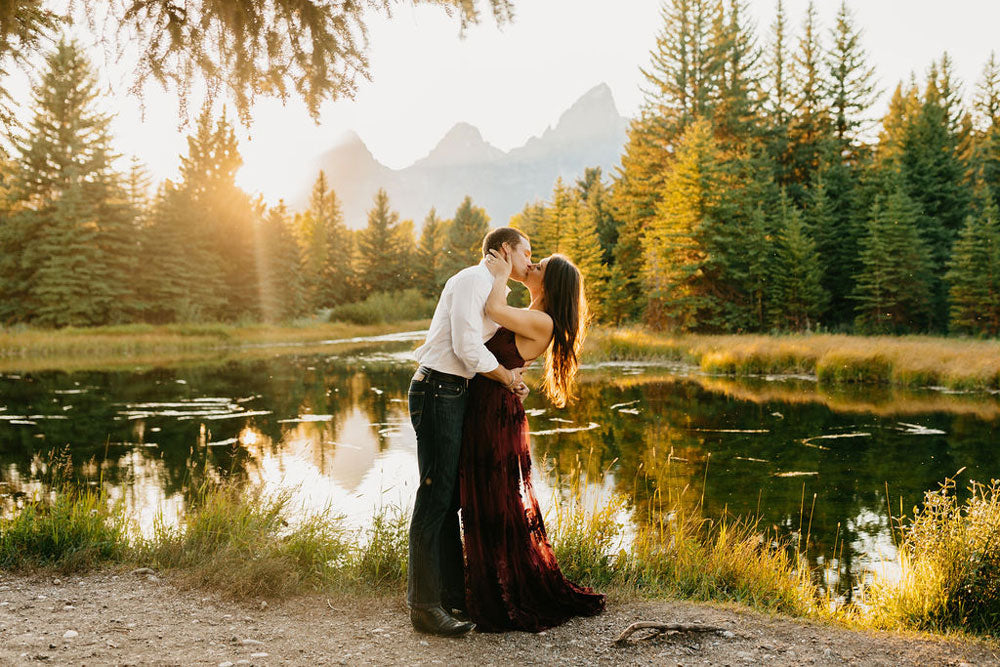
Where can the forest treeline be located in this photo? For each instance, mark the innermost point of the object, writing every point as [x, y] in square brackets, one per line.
[756, 192]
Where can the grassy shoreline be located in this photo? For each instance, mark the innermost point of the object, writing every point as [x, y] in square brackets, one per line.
[834, 359]
[247, 544]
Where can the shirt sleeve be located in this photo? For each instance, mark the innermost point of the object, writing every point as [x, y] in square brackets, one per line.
[467, 303]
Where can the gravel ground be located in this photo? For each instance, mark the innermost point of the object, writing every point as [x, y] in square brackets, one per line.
[128, 619]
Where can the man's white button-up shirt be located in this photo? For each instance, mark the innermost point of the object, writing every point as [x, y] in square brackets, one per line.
[459, 330]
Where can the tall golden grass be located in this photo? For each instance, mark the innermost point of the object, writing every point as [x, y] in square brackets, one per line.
[949, 557]
[835, 359]
[672, 550]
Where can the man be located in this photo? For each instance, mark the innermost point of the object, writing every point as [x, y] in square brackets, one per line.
[453, 353]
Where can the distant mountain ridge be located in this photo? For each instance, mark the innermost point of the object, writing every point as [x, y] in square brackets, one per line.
[590, 133]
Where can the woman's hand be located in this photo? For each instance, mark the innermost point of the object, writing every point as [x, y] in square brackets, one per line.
[499, 265]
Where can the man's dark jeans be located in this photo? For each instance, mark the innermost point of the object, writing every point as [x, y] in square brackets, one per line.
[436, 570]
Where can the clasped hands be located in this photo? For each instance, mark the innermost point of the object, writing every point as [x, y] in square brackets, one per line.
[517, 385]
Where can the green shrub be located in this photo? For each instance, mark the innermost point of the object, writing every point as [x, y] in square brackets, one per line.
[583, 541]
[73, 531]
[245, 544]
[384, 307]
[381, 560]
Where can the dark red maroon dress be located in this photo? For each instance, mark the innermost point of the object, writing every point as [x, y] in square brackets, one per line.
[512, 580]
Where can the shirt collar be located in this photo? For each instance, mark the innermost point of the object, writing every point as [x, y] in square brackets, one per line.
[482, 263]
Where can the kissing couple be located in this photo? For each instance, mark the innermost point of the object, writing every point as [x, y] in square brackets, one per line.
[473, 451]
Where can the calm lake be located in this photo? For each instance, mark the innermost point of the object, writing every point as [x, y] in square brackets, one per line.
[334, 427]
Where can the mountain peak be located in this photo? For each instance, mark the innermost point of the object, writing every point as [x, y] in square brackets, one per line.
[462, 144]
[463, 131]
[593, 107]
[599, 95]
[348, 138]
[592, 118]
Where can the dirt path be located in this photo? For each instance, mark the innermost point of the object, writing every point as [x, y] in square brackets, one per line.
[128, 619]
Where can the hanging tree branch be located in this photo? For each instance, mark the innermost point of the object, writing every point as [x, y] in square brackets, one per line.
[317, 49]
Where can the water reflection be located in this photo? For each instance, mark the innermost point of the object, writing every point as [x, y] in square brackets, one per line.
[820, 467]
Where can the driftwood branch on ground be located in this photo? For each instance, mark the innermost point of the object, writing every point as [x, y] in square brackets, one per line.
[662, 628]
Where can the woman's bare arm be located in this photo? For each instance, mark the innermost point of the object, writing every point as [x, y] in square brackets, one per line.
[533, 324]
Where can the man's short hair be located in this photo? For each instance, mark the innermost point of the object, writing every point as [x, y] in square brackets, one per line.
[497, 237]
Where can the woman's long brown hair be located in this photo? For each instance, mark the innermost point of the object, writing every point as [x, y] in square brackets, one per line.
[566, 304]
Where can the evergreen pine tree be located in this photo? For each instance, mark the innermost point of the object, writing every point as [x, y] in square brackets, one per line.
[974, 272]
[758, 247]
[529, 221]
[736, 108]
[227, 213]
[738, 129]
[810, 129]
[893, 289]
[986, 107]
[597, 198]
[559, 216]
[405, 240]
[777, 81]
[677, 266]
[591, 176]
[949, 87]
[175, 259]
[625, 299]
[639, 183]
[904, 108]
[836, 235]
[67, 264]
[851, 81]
[428, 274]
[988, 159]
[73, 226]
[797, 297]
[778, 98]
[582, 245]
[682, 81]
[464, 241]
[380, 248]
[967, 146]
[328, 271]
[936, 180]
[736, 232]
[18, 230]
[282, 290]
[137, 185]
[217, 221]
[987, 98]
[686, 63]
[10, 251]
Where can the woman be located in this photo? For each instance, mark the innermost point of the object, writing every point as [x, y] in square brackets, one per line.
[512, 579]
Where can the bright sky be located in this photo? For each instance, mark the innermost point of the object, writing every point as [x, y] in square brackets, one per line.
[512, 83]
